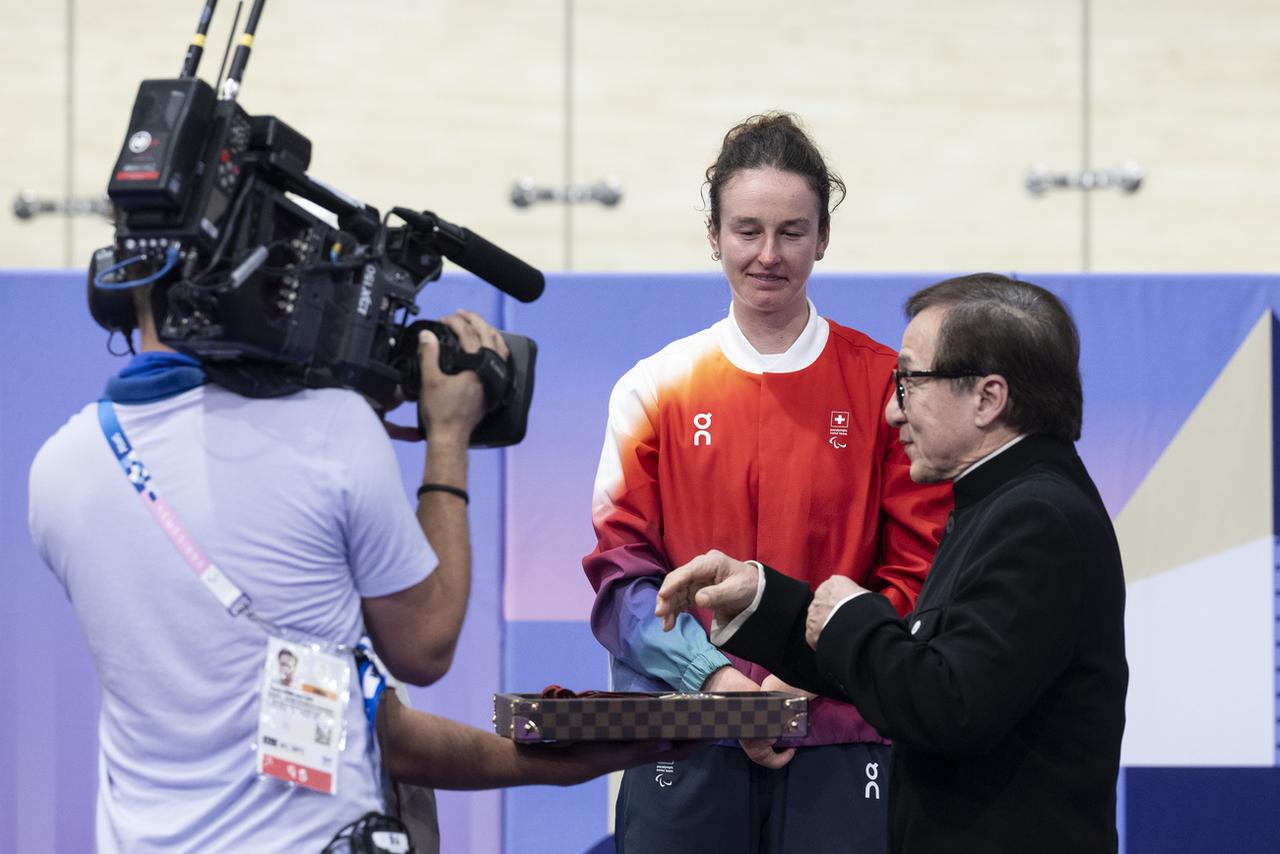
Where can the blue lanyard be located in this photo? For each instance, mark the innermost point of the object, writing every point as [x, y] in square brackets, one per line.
[223, 589]
[231, 597]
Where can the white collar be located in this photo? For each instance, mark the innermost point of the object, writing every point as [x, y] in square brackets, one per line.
[802, 353]
[1000, 450]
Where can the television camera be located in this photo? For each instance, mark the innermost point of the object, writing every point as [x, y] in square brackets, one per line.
[269, 296]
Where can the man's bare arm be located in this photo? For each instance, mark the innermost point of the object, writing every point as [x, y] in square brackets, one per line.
[432, 751]
[415, 631]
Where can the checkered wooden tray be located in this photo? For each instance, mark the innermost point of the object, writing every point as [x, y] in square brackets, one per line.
[628, 717]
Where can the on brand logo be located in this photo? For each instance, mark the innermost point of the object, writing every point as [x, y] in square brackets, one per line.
[702, 428]
[873, 774]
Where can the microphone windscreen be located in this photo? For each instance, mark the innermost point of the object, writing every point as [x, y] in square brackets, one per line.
[498, 267]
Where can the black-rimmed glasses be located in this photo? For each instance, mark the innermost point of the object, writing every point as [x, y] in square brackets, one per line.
[899, 376]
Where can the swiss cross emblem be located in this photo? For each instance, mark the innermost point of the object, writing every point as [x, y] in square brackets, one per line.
[839, 429]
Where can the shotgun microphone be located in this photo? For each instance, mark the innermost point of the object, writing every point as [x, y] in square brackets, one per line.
[472, 252]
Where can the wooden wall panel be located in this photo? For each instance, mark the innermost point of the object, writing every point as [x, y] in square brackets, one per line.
[427, 105]
[931, 110]
[33, 145]
[1190, 90]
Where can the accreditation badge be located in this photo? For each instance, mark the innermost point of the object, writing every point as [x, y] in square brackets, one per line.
[302, 714]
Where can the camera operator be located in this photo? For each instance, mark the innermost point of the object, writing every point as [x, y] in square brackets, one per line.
[299, 499]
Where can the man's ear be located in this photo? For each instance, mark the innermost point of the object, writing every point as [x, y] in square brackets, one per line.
[713, 239]
[992, 393]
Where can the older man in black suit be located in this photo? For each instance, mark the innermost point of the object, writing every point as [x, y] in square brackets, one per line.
[1004, 689]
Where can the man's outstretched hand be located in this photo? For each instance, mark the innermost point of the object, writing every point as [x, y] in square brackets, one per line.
[714, 581]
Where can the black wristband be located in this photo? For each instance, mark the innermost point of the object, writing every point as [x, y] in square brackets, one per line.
[444, 487]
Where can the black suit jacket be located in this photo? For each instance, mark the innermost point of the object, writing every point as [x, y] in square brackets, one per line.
[1004, 690]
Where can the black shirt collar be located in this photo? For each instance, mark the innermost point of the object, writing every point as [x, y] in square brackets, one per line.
[986, 478]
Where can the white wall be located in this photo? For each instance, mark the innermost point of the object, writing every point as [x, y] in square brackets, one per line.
[931, 110]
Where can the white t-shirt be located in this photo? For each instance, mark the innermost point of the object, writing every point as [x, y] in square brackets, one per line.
[299, 501]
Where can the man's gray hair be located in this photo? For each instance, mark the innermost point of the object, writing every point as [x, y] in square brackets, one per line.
[997, 325]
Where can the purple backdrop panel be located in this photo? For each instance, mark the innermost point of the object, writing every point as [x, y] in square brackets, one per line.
[1150, 347]
[871, 303]
[566, 820]
[54, 361]
[469, 821]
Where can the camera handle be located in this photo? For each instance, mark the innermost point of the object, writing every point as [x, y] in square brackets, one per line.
[494, 371]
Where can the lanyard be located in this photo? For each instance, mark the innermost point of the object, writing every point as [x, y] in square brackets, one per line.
[231, 597]
[235, 600]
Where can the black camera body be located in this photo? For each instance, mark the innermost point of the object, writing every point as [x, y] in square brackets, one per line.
[268, 295]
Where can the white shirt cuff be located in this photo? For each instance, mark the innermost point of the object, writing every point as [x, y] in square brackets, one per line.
[720, 635]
